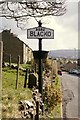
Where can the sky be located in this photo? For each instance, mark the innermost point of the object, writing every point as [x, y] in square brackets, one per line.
[65, 29]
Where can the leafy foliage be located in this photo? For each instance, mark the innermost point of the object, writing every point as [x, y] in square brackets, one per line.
[52, 95]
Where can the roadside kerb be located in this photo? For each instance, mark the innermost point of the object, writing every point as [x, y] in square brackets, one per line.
[61, 100]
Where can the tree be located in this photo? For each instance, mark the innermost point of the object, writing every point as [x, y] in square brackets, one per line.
[21, 11]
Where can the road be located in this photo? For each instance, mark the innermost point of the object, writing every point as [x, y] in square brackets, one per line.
[70, 95]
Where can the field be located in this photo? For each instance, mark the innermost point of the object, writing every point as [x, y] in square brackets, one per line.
[11, 96]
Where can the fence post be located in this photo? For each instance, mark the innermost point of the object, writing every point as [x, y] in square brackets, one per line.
[17, 72]
[1, 54]
[25, 81]
[37, 110]
[35, 67]
[10, 60]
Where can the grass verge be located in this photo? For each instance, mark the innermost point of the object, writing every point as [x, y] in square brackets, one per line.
[10, 95]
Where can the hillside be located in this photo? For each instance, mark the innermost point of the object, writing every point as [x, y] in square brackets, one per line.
[73, 53]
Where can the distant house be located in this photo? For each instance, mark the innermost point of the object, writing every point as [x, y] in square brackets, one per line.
[78, 62]
[69, 65]
[14, 46]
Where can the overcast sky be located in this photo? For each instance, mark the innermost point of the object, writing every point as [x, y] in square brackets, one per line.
[65, 29]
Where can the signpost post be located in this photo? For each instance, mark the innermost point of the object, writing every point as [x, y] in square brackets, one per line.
[40, 81]
[1, 54]
[40, 33]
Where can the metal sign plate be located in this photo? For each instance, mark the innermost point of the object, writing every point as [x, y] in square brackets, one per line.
[40, 32]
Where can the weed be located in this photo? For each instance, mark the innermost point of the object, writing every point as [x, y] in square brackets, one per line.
[53, 98]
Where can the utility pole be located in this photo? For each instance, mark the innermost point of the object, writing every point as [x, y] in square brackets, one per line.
[1, 54]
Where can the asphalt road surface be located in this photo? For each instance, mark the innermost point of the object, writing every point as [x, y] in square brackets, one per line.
[70, 92]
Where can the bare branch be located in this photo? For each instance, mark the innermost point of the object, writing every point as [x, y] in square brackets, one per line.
[22, 11]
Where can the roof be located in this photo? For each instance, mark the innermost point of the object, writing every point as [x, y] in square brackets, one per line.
[13, 35]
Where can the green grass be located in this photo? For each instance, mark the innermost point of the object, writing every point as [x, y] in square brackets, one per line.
[56, 112]
[24, 66]
[57, 82]
[10, 95]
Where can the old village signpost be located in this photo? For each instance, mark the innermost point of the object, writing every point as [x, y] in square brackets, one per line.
[40, 33]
